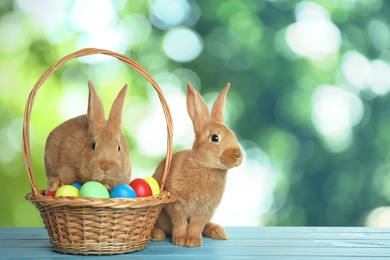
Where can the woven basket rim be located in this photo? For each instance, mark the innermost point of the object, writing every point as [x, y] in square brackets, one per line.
[26, 152]
[163, 197]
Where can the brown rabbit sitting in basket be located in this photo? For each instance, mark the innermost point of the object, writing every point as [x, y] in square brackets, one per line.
[197, 176]
[89, 147]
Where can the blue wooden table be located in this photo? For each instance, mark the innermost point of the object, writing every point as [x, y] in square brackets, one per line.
[245, 242]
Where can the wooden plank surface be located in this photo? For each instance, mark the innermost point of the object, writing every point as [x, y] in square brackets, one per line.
[244, 243]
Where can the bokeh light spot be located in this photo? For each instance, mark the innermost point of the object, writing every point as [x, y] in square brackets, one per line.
[168, 13]
[90, 15]
[379, 82]
[378, 217]
[109, 39]
[313, 35]
[182, 44]
[46, 13]
[379, 34]
[356, 69]
[362, 73]
[335, 112]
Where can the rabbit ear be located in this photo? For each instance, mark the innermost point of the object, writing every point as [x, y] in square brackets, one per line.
[115, 117]
[218, 110]
[196, 107]
[95, 108]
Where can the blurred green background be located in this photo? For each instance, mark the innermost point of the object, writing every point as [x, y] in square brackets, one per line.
[309, 100]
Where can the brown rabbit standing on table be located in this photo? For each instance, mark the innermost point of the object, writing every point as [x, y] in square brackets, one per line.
[198, 176]
[89, 147]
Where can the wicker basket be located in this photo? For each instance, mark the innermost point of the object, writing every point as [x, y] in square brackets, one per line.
[97, 226]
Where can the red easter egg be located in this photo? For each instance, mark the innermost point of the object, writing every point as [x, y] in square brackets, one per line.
[141, 187]
[51, 193]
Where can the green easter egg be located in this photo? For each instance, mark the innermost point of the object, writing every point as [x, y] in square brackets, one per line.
[94, 189]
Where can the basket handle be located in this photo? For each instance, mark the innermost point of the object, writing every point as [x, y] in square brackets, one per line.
[85, 52]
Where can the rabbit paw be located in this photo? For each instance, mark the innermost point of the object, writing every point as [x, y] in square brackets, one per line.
[179, 240]
[194, 241]
[215, 231]
[54, 184]
[158, 234]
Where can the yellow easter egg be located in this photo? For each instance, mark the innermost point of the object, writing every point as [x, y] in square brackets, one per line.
[153, 185]
[67, 190]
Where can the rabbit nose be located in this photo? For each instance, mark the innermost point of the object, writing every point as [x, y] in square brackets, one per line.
[232, 157]
[106, 166]
[238, 156]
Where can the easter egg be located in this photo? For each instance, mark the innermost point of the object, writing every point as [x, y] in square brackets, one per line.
[94, 189]
[51, 193]
[153, 185]
[67, 190]
[123, 191]
[77, 185]
[141, 187]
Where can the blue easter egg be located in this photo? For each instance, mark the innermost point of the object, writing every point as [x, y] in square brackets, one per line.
[77, 185]
[123, 191]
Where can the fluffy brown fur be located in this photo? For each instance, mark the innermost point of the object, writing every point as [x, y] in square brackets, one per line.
[198, 176]
[89, 147]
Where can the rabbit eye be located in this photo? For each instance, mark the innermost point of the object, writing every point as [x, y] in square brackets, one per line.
[94, 146]
[119, 148]
[215, 138]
